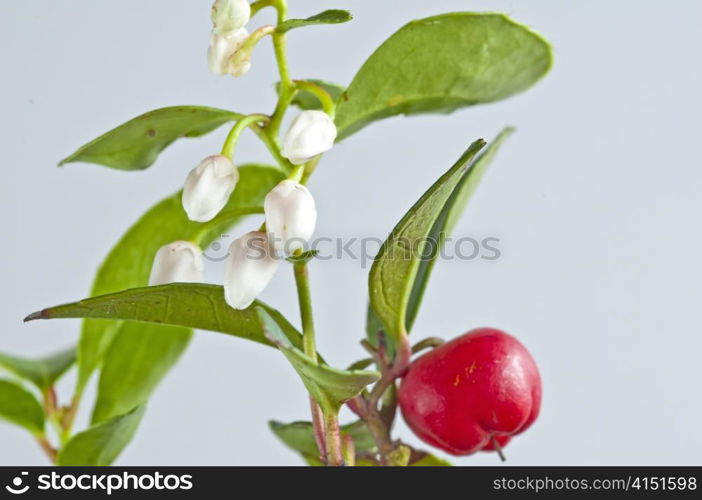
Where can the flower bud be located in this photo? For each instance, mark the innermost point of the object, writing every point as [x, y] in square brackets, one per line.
[221, 50]
[230, 15]
[290, 216]
[310, 134]
[208, 187]
[177, 262]
[249, 268]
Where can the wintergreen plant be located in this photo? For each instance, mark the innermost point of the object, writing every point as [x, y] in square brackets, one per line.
[133, 334]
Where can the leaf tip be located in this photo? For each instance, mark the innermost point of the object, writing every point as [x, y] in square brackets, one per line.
[43, 314]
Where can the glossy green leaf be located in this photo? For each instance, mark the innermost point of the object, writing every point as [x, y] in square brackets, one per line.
[128, 264]
[20, 407]
[332, 16]
[307, 100]
[101, 444]
[136, 144]
[442, 227]
[328, 386]
[393, 273]
[452, 210]
[192, 305]
[446, 219]
[41, 372]
[428, 460]
[440, 64]
[299, 436]
[137, 361]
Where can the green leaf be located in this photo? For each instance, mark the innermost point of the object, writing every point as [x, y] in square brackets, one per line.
[136, 144]
[428, 460]
[101, 444]
[444, 222]
[440, 64]
[332, 16]
[307, 100]
[41, 372]
[128, 264]
[20, 407]
[393, 273]
[328, 386]
[192, 305]
[299, 436]
[137, 361]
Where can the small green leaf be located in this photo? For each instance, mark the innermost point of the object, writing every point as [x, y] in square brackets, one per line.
[136, 362]
[41, 372]
[328, 386]
[428, 460]
[20, 407]
[332, 16]
[101, 444]
[128, 264]
[440, 64]
[299, 436]
[393, 273]
[136, 144]
[307, 100]
[192, 305]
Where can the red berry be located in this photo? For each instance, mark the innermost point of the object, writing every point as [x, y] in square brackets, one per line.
[481, 385]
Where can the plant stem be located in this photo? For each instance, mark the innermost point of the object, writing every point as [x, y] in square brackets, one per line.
[331, 433]
[297, 172]
[287, 90]
[260, 4]
[305, 299]
[325, 99]
[348, 448]
[51, 410]
[333, 439]
[235, 132]
[273, 147]
[429, 342]
[69, 415]
[497, 447]
[46, 446]
[318, 426]
[367, 407]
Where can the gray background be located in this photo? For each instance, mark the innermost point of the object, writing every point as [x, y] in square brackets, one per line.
[595, 200]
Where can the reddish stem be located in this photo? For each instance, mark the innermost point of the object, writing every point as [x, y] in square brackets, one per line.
[318, 426]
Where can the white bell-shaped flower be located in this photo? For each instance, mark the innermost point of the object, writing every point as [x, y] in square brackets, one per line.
[249, 268]
[310, 134]
[208, 187]
[230, 15]
[177, 262]
[291, 216]
[221, 50]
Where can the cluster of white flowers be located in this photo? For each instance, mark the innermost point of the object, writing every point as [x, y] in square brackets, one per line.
[228, 35]
[289, 208]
